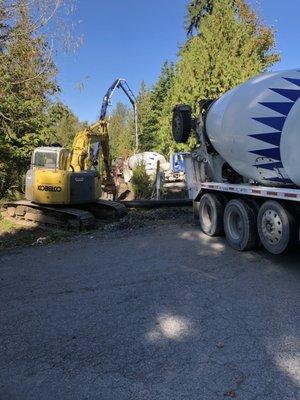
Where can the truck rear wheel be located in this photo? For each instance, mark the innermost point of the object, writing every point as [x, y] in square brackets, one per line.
[277, 227]
[240, 225]
[211, 210]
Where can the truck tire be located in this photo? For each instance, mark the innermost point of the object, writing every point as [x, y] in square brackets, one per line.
[196, 212]
[277, 227]
[211, 210]
[240, 225]
[181, 123]
[255, 206]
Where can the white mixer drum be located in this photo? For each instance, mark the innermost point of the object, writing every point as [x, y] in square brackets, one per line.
[255, 128]
[148, 158]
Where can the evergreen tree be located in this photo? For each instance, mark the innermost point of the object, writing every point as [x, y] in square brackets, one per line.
[4, 27]
[146, 119]
[150, 108]
[27, 80]
[233, 45]
[62, 125]
[196, 10]
[120, 131]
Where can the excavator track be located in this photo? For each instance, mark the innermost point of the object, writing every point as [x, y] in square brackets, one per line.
[81, 218]
[31, 214]
[107, 209]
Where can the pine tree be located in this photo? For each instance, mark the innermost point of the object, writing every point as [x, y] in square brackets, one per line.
[146, 119]
[4, 27]
[121, 131]
[196, 10]
[150, 108]
[232, 46]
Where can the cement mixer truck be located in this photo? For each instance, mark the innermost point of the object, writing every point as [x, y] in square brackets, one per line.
[244, 174]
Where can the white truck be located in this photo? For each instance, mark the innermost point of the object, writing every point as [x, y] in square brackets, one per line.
[244, 174]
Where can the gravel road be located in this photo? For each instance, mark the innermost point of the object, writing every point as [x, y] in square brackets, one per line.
[162, 312]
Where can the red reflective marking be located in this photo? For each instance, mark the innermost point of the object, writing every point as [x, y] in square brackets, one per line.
[256, 191]
[272, 193]
[291, 195]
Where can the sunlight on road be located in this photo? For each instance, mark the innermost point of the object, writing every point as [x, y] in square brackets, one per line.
[217, 246]
[170, 327]
[290, 366]
[212, 242]
[192, 236]
[288, 358]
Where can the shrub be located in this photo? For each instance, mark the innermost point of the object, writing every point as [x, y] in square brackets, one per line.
[141, 183]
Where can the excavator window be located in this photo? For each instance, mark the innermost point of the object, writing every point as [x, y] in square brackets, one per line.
[45, 159]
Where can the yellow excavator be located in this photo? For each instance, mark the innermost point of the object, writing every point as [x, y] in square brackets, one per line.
[63, 187]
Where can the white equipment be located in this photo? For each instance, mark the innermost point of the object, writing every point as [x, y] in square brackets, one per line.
[147, 158]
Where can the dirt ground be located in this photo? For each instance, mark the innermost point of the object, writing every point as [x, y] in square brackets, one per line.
[15, 235]
[148, 308]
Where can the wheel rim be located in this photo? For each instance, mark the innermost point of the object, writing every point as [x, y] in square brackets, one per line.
[271, 226]
[206, 215]
[235, 225]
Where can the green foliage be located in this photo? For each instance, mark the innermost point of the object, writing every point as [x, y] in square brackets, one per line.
[150, 108]
[227, 44]
[121, 131]
[196, 10]
[27, 80]
[140, 182]
[62, 125]
[233, 46]
[27, 83]
[145, 118]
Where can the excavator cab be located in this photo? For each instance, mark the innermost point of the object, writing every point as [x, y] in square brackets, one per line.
[53, 158]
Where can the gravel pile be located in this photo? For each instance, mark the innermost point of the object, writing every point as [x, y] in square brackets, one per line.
[144, 218]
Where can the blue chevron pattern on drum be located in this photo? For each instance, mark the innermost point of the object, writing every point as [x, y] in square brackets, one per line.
[273, 122]
[277, 123]
[291, 94]
[281, 108]
[273, 153]
[293, 80]
[272, 138]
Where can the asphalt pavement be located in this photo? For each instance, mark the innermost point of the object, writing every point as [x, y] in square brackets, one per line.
[162, 313]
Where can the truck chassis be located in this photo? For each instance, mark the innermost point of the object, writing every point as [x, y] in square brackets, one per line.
[249, 216]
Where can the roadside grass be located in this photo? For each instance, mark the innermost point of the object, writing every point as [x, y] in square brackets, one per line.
[14, 235]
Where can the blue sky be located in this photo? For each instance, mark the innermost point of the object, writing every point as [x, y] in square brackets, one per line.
[132, 38]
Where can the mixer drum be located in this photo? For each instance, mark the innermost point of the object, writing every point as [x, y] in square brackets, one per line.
[255, 128]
